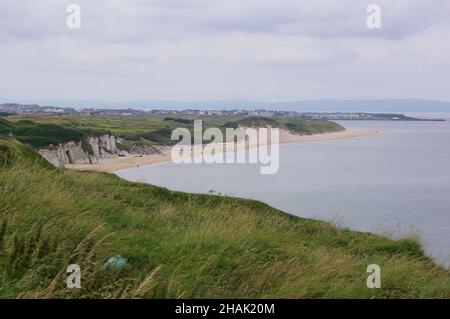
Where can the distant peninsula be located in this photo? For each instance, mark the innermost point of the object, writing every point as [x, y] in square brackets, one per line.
[7, 109]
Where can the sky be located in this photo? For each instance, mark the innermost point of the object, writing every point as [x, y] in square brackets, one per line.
[184, 50]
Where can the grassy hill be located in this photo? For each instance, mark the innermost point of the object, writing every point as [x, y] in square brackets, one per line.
[297, 126]
[182, 245]
[43, 134]
[40, 130]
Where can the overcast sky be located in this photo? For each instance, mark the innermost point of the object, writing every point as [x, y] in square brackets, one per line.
[271, 50]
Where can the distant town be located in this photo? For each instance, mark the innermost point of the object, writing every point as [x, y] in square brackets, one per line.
[16, 108]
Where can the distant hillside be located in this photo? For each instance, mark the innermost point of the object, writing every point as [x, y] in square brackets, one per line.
[297, 126]
[39, 135]
[179, 245]
[40, 131]
[43, 134]
[321, 105]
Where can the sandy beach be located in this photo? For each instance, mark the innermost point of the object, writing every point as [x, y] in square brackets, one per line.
[132, 161]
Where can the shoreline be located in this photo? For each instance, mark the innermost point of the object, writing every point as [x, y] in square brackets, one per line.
[136, 161]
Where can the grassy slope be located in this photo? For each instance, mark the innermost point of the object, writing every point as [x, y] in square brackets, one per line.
[42, 134]
[182, 245]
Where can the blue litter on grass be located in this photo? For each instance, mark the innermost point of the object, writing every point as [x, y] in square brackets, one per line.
[116, 263]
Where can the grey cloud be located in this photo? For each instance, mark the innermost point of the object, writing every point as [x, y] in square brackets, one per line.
[137, 20]
[202, 49]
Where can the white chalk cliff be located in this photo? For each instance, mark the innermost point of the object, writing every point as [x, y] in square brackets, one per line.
[82, 152]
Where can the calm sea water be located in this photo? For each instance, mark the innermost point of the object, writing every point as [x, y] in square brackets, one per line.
[395, 184]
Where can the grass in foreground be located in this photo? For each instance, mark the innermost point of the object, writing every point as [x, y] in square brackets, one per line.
[182, 245]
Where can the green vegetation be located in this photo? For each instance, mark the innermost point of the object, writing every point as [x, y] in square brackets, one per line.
[127, 145]
[258, 122]
[40, 130]
[43, 134]
[182, 245]
[296, 126]
[312, 127]
[179, 120]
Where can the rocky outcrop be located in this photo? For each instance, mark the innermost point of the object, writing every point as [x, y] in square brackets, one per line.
[54, 156]
[94, 145]
[82, 152]
[93, 149]
[146, 149]
[107, 146]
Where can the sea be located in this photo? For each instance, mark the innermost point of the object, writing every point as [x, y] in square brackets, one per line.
[395, 183]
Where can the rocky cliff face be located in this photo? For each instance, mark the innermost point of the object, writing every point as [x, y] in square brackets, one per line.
[87, 152]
